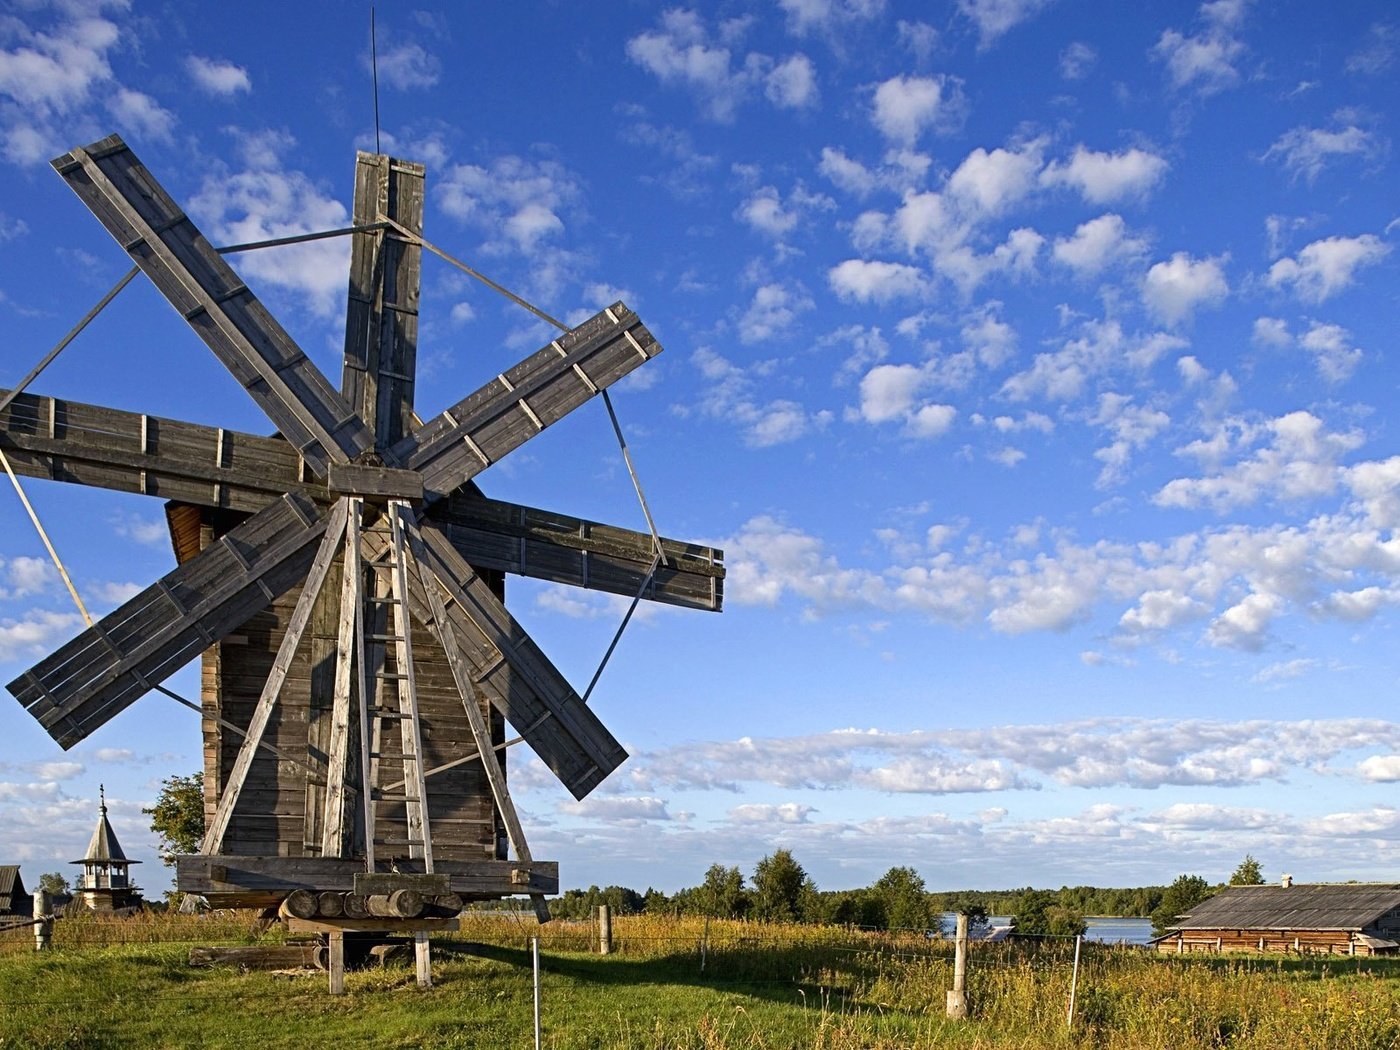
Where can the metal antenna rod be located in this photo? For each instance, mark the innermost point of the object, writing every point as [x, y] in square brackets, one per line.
[374, 72]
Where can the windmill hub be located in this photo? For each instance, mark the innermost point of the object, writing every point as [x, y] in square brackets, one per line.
[374, 484]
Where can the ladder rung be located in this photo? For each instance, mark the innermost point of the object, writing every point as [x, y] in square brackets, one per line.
[397, 798]
[393, 756]
[388, 712]
[383, 601]
[398, 842]
[390, 676]
[384, 637]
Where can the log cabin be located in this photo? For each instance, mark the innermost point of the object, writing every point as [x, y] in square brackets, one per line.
[1319, 919]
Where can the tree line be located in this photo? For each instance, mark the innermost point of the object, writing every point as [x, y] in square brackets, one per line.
[780, 890]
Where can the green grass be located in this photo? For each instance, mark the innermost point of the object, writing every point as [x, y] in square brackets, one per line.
[763, 988]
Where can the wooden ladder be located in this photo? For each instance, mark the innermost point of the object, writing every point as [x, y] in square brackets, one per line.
[392, 696]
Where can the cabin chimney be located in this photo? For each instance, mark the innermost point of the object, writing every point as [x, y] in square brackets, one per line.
[1286, 881]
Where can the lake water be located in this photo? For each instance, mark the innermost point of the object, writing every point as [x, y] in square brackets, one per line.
[1105, 930]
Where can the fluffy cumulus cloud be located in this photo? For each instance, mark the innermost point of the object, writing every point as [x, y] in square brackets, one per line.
[266, 201]
[56, 78]
[993, 18]
[1206, 61]
[1091, 753]
[876, 281]
[892, 393]
[1098, 244]
[905, 107]
[1107, 178]
[806, 17]
[1288, 459]
[683, 51]
[772, 311]
[518, 203]
[217, 76]
[407, 66]
[1328, 266]
[1175, 289]
[730, 393]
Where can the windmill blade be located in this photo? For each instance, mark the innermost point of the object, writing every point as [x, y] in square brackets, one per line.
[206, 292]
[80, 687]
[561, 549]
[46, 437]
[516, 405]
[504, 663]
[63, 440]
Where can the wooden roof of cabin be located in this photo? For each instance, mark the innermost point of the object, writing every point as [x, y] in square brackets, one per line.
[1327, 907]
[11, 888]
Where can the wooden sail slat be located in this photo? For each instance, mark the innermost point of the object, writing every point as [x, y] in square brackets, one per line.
[487, 425]
[233, 323]
[533, 696]
[102, 671]
[129, 452]
[563, 549]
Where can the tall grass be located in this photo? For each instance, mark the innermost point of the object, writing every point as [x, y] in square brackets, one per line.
[682, 983]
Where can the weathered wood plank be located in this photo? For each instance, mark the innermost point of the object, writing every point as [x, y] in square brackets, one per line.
[520, 681]
[214, 301]
[107, 667]
[545, 545]
[471, 878]
[508, 411]
[381, 331]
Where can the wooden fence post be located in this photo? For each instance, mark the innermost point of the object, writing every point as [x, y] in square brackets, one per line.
[43, 926]
[604, 929]
[957, 998]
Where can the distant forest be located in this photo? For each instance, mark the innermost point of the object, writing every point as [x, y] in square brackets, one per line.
[780, 890]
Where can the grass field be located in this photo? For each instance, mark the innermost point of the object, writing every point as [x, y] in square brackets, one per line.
[672, 983]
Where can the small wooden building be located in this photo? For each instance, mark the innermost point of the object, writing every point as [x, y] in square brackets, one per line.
[1334, 919]
[13, 898]
[105, 884]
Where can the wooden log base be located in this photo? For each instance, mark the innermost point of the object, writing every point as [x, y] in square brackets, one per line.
[388, 927]
[258, 956]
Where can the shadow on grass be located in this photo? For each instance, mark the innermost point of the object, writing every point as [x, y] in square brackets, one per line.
[776, 974]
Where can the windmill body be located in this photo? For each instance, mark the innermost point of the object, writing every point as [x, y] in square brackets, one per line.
[343, 580]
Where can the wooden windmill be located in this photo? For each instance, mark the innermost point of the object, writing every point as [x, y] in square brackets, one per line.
[343, 579]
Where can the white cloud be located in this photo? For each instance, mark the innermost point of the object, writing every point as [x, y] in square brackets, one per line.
[1173, 290]
[682, 51]
[1131, 427]
[1377, 54]
[263, 204]
[638, 811]
[218, 77]
[1205, 61]
[1076, 60]
[772, 311]
[1300, 460]
[1305, 151]
[792, 83]
[1379, 769]
[729, 393]
[517, 202]
[1328, 266]
[764, 813]
[1104, 178]
[1098, 244]
[765, 210]
[989, 183]
[906, 107]
[36, 634]
[408, 66]
[875, 281]
[995, 17]
[888, 391]
[805, 17]
[1331, 346]
[25, 576]
[139, 114]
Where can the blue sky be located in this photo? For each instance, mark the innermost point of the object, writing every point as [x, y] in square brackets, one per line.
[1031, 360]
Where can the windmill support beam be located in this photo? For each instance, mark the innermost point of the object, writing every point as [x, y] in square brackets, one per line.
[256, 879]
